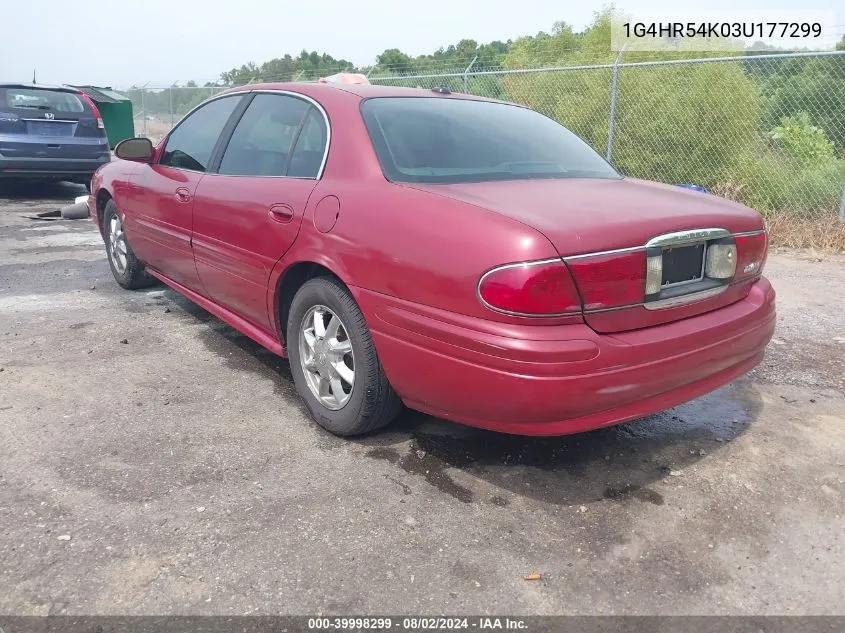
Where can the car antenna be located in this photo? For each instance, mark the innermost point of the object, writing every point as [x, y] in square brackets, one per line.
[33, 75]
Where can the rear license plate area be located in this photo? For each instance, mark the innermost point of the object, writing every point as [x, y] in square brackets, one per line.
[50, 128]
[683, 264]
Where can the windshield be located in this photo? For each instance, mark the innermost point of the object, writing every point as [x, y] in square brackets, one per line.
[436, 140]
[38, 99]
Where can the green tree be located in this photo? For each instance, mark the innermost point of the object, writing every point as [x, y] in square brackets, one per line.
[395, 61]
[813, 86]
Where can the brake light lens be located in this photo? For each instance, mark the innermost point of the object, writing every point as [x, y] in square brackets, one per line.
[610, 280]
[530, 289]
[751, 253]
[96, 110]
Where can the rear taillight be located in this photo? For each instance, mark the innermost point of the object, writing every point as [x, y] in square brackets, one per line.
[751, 252]
[96, 110]
[530, 289]
[610, 280]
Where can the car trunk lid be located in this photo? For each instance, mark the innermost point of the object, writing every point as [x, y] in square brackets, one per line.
[607, 230]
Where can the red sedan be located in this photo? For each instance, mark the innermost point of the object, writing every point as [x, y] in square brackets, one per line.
[469, 258]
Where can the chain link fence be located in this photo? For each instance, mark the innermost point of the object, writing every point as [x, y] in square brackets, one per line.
[764, 130]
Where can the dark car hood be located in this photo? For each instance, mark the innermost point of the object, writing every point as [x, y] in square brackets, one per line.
[583, 215]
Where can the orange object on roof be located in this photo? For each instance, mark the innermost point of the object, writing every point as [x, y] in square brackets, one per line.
[344, 78]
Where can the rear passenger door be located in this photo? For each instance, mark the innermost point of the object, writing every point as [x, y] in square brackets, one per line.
[248, 213]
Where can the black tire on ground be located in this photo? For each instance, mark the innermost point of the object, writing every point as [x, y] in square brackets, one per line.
[133, 275]
[372, 403]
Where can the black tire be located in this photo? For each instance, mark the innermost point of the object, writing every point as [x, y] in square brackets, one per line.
[372, 403]
[133, 275]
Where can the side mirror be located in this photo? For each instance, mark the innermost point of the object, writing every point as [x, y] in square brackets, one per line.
[139, 150]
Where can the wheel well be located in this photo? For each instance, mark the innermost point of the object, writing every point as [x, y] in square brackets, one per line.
[103, 197]
[293, 280]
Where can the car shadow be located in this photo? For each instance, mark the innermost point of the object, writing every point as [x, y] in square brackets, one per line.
[40, 191]
[615, 463]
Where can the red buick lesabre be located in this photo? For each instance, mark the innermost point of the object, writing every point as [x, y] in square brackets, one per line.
[469, 258]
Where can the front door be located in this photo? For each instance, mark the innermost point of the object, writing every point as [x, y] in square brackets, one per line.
[247, 215]
[159, 216]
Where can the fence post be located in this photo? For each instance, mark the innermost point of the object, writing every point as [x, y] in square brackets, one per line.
[614, 91]
[170, 91]
[466, 72]
[842, 205]
[144, 107]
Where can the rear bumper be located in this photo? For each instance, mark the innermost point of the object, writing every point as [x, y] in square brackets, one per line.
[556, 380]
[50, 167]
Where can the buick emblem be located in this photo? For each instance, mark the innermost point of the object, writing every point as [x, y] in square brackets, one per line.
[49, 115]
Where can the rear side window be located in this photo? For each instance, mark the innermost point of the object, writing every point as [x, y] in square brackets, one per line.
[35, 100]
[310, 147]
[262, 141]
[437, 140]
[192, 143]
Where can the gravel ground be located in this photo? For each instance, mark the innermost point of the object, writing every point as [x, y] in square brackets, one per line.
[154, 461]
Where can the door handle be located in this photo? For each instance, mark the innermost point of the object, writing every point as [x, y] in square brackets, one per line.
[281, 213]
[182, 195]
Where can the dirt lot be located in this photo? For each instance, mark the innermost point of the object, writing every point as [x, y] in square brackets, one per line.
[154, 461]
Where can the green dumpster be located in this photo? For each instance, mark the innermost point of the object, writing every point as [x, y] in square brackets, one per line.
[116, 111]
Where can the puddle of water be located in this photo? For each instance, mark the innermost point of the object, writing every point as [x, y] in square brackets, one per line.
[430, 467]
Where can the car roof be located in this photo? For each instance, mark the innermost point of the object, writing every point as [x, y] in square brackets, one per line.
[31, 86]
[364, 91]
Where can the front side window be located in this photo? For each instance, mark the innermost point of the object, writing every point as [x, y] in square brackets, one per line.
[191, 144]
[439, 140]
[263, 139]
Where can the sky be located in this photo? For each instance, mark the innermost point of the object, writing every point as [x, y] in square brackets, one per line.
[120, 43]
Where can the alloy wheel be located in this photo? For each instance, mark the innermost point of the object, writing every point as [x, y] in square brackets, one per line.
[117, 244]
[325, 353]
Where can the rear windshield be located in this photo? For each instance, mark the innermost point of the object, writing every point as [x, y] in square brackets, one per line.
[44, 100]
[436, 140]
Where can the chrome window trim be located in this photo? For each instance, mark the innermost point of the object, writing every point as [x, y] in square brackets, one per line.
[233, 93]
[538, 262]
[322, 111]
[184, 117]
